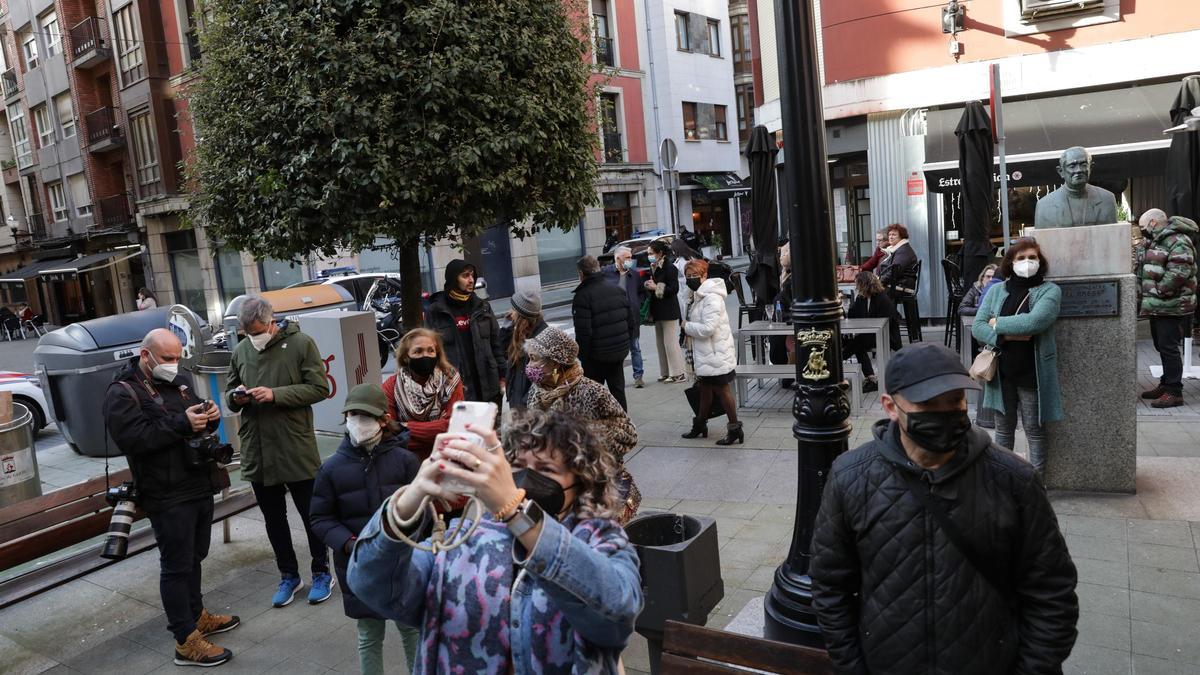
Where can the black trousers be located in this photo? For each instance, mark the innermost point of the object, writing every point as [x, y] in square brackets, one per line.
[272, 503]
[183, 532]
[609, 373]
[860, 346]
[1168, 333]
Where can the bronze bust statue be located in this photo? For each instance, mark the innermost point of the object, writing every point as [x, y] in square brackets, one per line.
[1075, 203]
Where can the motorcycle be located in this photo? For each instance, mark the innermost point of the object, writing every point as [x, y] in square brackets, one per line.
[388, 325]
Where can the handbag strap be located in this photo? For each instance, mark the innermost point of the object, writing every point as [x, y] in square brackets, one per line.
[984, 566]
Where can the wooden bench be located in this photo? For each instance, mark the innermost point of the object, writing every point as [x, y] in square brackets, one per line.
[851, 371]
[689, 650]
[58, 520]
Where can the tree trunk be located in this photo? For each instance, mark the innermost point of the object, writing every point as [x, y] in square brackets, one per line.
[412, 311]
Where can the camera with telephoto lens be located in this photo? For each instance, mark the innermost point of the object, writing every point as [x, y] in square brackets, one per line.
[200, 451]
[123, 499]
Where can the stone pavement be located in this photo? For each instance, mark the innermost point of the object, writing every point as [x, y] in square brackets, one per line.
[1136, 554]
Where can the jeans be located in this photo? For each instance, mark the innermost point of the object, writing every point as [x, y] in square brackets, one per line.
[183, 532]
[611, 373]
[635, 355]
[271, 500]
[1168, 333]
[370, 645]
[1026, 402]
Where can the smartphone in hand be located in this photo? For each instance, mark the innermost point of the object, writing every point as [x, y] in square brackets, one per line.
[476, 414]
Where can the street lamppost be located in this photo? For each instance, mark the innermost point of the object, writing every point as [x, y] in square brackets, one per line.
[822, 406]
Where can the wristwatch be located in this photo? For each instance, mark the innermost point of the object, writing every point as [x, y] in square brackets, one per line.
[525, 518]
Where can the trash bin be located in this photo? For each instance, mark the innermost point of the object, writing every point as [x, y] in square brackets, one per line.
[19, 477]
[210, 374]
[681, 573]
[76, 364]
[289, 303]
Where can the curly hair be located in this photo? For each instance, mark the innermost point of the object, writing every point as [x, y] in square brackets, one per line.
[410, 337]
[543, 432]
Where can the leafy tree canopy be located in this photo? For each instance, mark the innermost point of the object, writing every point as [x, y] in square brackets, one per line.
[325, 123]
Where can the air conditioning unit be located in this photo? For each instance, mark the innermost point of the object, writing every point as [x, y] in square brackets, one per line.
[1033, 11]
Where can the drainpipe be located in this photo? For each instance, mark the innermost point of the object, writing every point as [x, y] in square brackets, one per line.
[646, 5]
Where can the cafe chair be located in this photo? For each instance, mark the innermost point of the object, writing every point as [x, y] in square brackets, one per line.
[912, 314]
[955, 289]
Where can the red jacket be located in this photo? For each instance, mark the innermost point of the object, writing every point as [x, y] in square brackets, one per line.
[421, 434]
[873, 262]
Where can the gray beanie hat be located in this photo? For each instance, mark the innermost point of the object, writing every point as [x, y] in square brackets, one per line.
[527, 302]
[554, 345]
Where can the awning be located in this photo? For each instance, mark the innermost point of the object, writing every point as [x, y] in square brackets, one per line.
[90, 263]
[727, 185]
[31, 270]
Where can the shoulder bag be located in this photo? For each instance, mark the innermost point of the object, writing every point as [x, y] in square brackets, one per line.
[983, 368]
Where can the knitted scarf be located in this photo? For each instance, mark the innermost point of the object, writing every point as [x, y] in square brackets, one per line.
[458, 296]
[416, 402]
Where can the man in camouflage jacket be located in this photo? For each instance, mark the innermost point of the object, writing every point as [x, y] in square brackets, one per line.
[1166, 273]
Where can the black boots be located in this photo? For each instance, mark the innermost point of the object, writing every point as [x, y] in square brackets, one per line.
[733, 434]
[699, 428]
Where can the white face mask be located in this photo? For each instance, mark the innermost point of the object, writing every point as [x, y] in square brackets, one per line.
[163, 372]
[260, 341]
[1026, 268]
[364, 430]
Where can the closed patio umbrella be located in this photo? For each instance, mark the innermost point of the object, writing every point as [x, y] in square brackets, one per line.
[1183, 157]
[975, 154]
[763, 274]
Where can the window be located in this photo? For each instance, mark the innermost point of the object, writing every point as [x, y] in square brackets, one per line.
[743, 53]
[719, 126]
[186, 274]
[80, 194]
[129, 45]
[714, 37]
[30, 49]
[682, 39]
[231, 282]
[145, 149]
[277, 274]
[51, 33]
[1033, 11]
[611, 128]
[191, 30]
[66, 113]
[58, 201]
[605, 52]
[689, 122]
[45, 129]
[22, 148]
[745, 110]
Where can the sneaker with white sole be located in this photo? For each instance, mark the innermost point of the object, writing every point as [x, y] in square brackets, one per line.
[196, 651]
[322, 588]
[287, 591]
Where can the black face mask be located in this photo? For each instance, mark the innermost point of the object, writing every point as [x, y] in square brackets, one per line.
[423, 365]
[937, 432]
[694, 284]
[543, 490]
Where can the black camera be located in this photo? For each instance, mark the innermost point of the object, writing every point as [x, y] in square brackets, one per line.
[200, 451]
[125, 492]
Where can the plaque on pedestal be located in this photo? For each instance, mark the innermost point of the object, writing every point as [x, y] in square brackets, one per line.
[1090, 250]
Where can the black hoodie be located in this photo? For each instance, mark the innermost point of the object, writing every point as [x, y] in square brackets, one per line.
[471, 336]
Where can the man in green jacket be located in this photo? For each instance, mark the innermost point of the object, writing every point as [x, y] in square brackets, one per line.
[1166, 274]
[275, 377]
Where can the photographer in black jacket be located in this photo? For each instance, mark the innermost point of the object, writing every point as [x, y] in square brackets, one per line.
[151, 412]
[605, 324]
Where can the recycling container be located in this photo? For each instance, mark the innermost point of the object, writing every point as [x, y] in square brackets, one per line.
[290, 303]
[19, 477]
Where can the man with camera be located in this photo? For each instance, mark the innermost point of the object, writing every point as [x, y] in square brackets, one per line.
[164, 430]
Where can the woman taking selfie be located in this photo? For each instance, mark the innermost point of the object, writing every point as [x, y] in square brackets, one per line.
[559, 386]
[547, 583]
[1017, 317]
[424, 389]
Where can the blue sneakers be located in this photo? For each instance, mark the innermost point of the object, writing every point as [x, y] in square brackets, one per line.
[322, 588]
[287, 591]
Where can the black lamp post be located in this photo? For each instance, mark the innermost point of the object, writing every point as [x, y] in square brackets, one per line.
[822, 406]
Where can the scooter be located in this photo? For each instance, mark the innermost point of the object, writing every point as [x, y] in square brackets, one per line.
[388, 325]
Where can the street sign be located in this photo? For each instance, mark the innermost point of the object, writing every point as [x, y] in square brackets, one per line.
[668, 154]
[670, 179]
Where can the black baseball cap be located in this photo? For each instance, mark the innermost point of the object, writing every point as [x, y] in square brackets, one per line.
[925, 370]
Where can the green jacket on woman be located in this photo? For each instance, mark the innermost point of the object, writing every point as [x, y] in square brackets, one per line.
[1044, 301]
[279, 444]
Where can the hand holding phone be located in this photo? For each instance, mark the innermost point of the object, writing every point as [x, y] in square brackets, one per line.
[240, 396]
[479, 416]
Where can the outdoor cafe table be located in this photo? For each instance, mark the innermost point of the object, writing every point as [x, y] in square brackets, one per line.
[760, 329]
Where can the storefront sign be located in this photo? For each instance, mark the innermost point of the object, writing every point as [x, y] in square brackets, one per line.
[1089, 298]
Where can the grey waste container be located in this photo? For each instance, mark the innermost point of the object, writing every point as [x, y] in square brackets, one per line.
[209, 375]
[76, 364]
[19, 477]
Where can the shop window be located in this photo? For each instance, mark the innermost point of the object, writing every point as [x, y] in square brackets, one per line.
[130, 56]
[277, 274]
[58, 201]
[66, 114]
[186, 273]
[80, 194]
[557, 253]
[51, 33]
[231, 281]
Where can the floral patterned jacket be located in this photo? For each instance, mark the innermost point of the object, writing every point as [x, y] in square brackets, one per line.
[568, 607]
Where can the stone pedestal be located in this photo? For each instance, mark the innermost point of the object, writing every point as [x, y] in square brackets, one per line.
[1094, 448]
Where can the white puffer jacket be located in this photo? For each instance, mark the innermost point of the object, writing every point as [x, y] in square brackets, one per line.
[713, 348]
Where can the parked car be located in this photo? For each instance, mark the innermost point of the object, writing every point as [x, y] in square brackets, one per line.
[27, 390]
[640, 246]
[359, 285]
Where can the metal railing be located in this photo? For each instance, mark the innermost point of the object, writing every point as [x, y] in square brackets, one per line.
[113, 213]
[85, 37]
[37, 226]
[613, 151]
[605, 51]
[102, 126]
[9, 79]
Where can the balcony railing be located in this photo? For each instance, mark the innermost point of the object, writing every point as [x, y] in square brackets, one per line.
[613, 152]
[9, 78]
[113, 213]
[604, 51]
[104, 130]
[87, 43]
[37, 226]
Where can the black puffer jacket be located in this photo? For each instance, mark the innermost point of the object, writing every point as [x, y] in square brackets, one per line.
[476, 353]
[604, 320]
[148, 422]
[895, 595]
[349, 489]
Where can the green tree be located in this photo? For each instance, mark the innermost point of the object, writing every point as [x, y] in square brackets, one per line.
[326, 123]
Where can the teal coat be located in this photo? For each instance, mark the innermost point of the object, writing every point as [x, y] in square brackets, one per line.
[1044, 302]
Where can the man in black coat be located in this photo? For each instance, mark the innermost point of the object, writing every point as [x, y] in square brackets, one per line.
[935, 550]
[470, 334]
[624, 275]
[151, 410]
[604, 324]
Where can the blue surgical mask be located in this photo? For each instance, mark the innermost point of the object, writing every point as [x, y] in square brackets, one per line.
[628, 264]
[652, 258]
